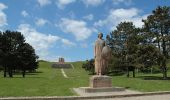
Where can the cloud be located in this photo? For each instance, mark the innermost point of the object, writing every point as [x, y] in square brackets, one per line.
[24, 13]
[37, 39]
[41, 22]
[77, 28]
[3, 17]
[41, 41]
[62, 3]
[89, 17]
[116, 16]
[93, 2]
[67, 42]
[84, 45]
[44, 2]
[126, 2]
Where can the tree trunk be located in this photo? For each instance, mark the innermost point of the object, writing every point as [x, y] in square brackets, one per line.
[165, 74]
[10, 72]
[127, 72]
[133, 72]
[23, 73]
[164, 69]
[5, 71]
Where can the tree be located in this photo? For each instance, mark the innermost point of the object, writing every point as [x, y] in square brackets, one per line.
[10, 42]
[16, 54]
[89, 66]
[27, 58]
[123, 41]
[157, 30]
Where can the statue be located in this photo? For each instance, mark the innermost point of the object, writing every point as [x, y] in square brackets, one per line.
[102, 54]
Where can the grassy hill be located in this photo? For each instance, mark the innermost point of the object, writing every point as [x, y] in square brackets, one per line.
[50, 82]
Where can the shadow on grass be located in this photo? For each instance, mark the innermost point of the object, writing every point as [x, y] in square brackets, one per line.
[22, 77]
[28, 73]
[152, 78]
[115, 73]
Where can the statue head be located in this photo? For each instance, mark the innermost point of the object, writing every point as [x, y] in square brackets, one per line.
[100, 35]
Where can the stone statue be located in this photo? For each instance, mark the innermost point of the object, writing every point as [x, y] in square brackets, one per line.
[102, 55]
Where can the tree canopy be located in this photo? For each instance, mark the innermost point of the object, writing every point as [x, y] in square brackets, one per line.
[16, 54]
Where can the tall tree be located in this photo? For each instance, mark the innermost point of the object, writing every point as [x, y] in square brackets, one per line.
[123, 40]
[10, 42]
[27, 59]
[16, 54]
[157, 30]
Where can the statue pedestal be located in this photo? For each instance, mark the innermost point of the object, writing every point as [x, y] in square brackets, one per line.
[100, 81]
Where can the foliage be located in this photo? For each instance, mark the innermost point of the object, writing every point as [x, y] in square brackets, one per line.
[157, 32]
[16, 54]
[89, 66]
[143, 47]
[123, 41]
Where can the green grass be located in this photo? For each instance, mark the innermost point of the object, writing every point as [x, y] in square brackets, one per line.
[142, 82]
[50, 82]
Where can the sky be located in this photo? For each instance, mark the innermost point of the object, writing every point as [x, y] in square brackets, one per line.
[69, 28]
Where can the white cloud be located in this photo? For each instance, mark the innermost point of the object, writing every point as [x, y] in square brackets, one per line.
[84, 45]
[93, 2]
[126, 2]
[62, 3]
[37, 39]
[3, 17]
[89, 17]
[44, 2]
[41, 41]
[116, 16]
[41, 22]
[67, 42]
[24, 13]
[77, 28]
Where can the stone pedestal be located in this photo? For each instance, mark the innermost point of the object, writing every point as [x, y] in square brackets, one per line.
[100, 81]
[100, 84]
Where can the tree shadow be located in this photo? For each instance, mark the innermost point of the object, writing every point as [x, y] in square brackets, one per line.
[22, 77]
[115, 73]
[153, 78]
[28, 73]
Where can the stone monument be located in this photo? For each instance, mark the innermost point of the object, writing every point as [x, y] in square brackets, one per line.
[61, 60]
[61, 64]
[100, 82]
[102, 54]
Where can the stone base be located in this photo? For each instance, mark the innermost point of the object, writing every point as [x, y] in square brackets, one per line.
[100, 81]
[59, 66]
[99, 84]
[103, 89]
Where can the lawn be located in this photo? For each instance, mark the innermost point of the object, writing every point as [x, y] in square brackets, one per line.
[47, 82]
[50, 82]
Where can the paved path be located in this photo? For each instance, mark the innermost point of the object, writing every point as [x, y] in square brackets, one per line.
[64, 74]
[82, 93]
[72, 66]
[151, 97]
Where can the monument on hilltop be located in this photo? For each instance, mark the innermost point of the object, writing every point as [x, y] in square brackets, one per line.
[61, 60]
[61, 64]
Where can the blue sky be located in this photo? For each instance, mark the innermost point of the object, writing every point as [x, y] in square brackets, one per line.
[68, 28]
